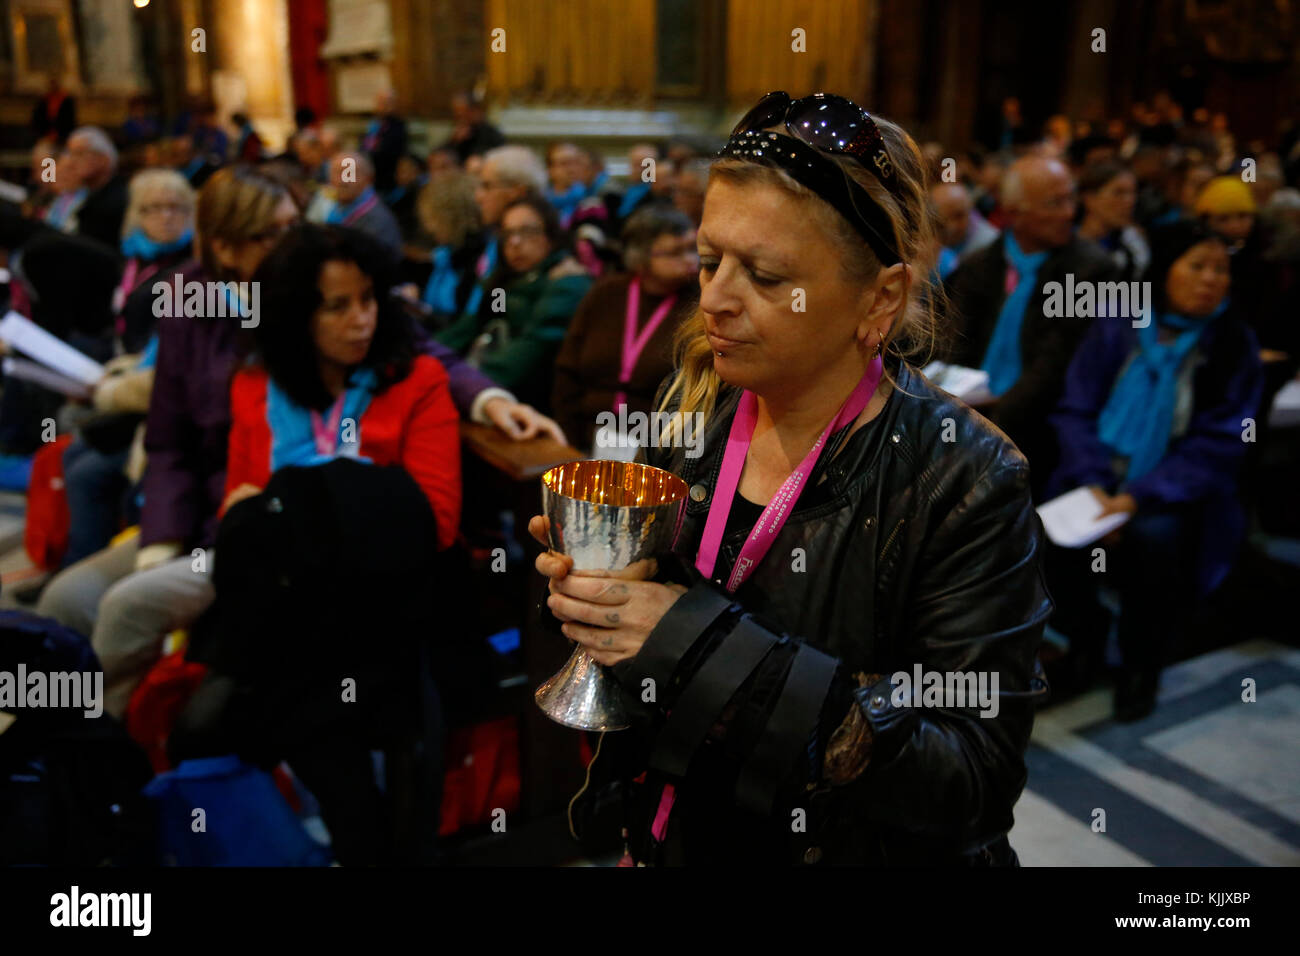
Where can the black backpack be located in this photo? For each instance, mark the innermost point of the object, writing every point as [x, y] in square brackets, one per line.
[69, 784]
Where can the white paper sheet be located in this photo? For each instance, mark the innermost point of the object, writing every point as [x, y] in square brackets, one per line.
[29, 338]
[1286, 406]
[1071, 520]
[971, 385]
[31, 372]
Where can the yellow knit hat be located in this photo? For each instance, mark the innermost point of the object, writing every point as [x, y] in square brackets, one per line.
[1224, 194]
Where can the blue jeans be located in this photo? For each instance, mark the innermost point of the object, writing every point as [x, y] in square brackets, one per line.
[95, 486]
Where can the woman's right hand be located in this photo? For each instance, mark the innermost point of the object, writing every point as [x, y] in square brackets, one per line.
[558, 566]
[551, 564]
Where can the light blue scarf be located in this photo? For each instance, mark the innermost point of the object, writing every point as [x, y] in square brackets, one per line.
[634, 194]
[149, 357]
[1002, 360]
[137, 245]
[476, 297]
[566, 202]
[292, 439]
[1138, 417]
[440, 292]
[339, 214]
[62, 208]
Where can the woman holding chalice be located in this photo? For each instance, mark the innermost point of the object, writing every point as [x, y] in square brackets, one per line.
[846, 522]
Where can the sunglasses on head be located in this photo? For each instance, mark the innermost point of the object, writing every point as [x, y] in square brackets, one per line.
[826, 122]
[816, 126]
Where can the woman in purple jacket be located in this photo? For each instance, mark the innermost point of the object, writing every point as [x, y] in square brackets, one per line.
[129, 597]
[1154, 419]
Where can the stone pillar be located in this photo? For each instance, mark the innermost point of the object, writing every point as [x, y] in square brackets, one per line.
[111, 41]
[248, 41]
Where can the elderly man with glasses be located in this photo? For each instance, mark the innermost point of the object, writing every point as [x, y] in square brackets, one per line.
[996, 299]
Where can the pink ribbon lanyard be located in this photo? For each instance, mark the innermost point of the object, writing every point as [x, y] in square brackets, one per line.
[634, 343]
[778, 509]
[327, 433]
[361, 210]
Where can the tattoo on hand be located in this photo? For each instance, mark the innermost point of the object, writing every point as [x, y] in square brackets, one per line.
[607, 642]
[612, 617]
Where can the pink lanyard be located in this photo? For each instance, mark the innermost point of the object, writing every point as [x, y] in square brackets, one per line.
[327, 434]
[772, 520]
[132, 276]
[633, 343]
[778, 509]
[361, 210]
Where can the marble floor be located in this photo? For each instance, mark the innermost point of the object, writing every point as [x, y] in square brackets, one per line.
[1208, 779]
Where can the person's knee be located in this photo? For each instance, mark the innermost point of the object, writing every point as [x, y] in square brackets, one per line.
[71, 598]
[122, 637]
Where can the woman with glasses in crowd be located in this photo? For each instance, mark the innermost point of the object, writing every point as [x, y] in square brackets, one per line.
[525, 304]
[847, 526]
[619, 344]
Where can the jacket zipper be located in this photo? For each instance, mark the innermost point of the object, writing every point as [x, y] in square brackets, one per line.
[890, 540]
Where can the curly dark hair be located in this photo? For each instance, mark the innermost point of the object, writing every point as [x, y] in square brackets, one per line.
[290, 277]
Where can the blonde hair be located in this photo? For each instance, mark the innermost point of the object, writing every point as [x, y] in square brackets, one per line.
[151, 183]
[448, 201]
[912, 333]
[235, 204]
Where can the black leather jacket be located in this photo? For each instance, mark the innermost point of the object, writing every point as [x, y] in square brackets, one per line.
[920, 546]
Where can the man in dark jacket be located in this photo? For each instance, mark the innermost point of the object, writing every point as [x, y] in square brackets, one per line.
[1006, 287]
[472, 135]
[93, 159]
[385, 140]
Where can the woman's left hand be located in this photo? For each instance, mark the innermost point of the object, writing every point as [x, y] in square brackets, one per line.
[521, 422]
[611, 617]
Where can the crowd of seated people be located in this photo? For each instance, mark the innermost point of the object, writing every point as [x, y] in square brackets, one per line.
[355, 301]
[1157, 413]
[371, 296]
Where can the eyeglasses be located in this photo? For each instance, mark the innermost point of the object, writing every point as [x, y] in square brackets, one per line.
[163, 208]
[523, 232]
[828, 123]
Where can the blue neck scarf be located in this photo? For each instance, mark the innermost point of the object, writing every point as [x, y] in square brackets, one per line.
[61, 210]
[139, 246]
[292, 440]
[566, 202]
[490, 258]
[1002, 360]
[149, 357]
[635, 193]
[340, 213]
[440, 293]
[1138, 417]
[397, 192]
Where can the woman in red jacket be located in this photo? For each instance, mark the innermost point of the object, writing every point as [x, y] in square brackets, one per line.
[338, 373]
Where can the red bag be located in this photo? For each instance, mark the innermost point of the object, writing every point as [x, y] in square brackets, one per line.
[158, 700]
[45, 536]
[482, 774]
